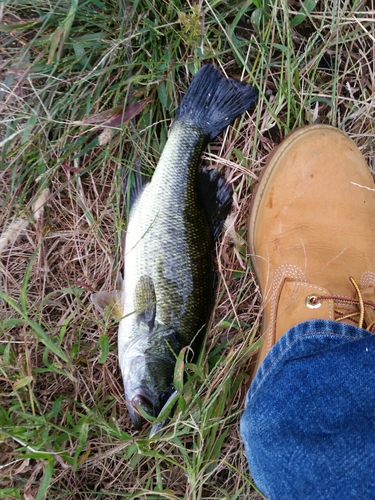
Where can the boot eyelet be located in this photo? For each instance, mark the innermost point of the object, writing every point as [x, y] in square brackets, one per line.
[311, 302]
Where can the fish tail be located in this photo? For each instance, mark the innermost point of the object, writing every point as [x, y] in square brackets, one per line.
[212, 101]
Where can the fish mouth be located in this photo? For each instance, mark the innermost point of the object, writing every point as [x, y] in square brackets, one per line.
[144, 399]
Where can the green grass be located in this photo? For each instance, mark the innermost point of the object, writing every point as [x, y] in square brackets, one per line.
[69, 69]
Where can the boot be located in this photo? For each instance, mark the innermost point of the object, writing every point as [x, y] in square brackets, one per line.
[312, 233]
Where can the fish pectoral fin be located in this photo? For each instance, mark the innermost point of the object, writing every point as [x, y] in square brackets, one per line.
[216, 196]
[145, 301]
[113, 300]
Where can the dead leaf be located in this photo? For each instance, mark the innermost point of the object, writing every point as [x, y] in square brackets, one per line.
[117, 115]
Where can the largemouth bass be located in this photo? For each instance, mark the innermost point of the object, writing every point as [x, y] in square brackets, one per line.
[167, 293]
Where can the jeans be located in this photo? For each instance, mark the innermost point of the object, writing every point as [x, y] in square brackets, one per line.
[309, 421]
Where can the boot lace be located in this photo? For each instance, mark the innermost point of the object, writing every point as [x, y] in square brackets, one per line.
[357, 315]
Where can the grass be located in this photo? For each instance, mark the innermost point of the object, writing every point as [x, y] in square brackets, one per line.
[69, 71]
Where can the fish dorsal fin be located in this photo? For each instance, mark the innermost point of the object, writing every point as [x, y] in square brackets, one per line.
[114, 300]
[145, 301]
[216, 196]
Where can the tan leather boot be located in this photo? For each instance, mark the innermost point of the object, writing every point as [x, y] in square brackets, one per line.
[312, 233]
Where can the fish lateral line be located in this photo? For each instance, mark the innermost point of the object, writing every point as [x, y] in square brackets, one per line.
[146, 232]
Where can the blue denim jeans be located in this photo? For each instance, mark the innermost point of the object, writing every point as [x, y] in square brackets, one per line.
[309, 421]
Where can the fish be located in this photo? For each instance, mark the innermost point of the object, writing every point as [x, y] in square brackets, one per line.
[166, 297]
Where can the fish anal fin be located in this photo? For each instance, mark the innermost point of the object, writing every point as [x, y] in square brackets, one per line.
[113, 300]
[119, 282]
[216, 196]
[145, 301]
